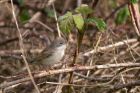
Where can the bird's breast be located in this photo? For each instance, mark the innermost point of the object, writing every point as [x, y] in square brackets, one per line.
[56, 56]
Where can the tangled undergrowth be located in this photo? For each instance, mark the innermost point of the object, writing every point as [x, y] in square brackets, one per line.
[107, 61]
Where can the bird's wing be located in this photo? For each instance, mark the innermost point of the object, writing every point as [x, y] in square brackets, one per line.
[43, 55]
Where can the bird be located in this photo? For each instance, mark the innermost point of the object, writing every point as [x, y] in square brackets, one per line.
[53, 54]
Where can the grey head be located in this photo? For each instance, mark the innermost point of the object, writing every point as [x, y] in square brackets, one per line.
[58, 42]
[52, 54]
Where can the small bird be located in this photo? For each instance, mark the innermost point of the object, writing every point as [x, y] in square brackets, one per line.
[53, 54]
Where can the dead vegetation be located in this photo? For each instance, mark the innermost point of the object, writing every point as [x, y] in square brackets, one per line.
[108, 62]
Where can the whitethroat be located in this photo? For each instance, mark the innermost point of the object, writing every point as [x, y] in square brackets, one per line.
[53, 54]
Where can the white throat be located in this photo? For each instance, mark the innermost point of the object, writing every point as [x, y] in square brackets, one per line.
[61, 50]
[57, 55]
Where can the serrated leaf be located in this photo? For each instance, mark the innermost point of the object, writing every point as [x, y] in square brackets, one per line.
[134, 1]
[79, 21]
[84, 9]
[122, 15]
[24, 16]
[101, 25]
[67, 15]
[66, 22]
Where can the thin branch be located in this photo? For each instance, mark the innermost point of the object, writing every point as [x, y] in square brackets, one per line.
[116, 10]
[58, 29]
[44, 25]
[105, 48]
[124, 52]
[127, 85]
[71, 69]
[22, 49]
[134, 11]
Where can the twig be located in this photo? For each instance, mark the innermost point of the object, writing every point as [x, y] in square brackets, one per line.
[4, 52]
[8, 41]
[3, 1]
[118, 44]
[22, 49]
[71, 69]
[104, 48]
[66, 5]
[51, 2]
[134, 11]
[46, 26]
[127, 85]
[94, 3]
[91, 61]
[58, 29]
[124, 52]
[112, 13]
[79, 2]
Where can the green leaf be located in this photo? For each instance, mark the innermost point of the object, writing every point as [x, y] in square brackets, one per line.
[21, 2]
[84, 9]
[79, 21]
[101, 25]
[134, 1]
[24, 16]
[49, 12]
[112, 4]
[66, 22]
[122, 16]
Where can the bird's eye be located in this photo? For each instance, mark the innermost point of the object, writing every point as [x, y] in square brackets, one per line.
[61, 43]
